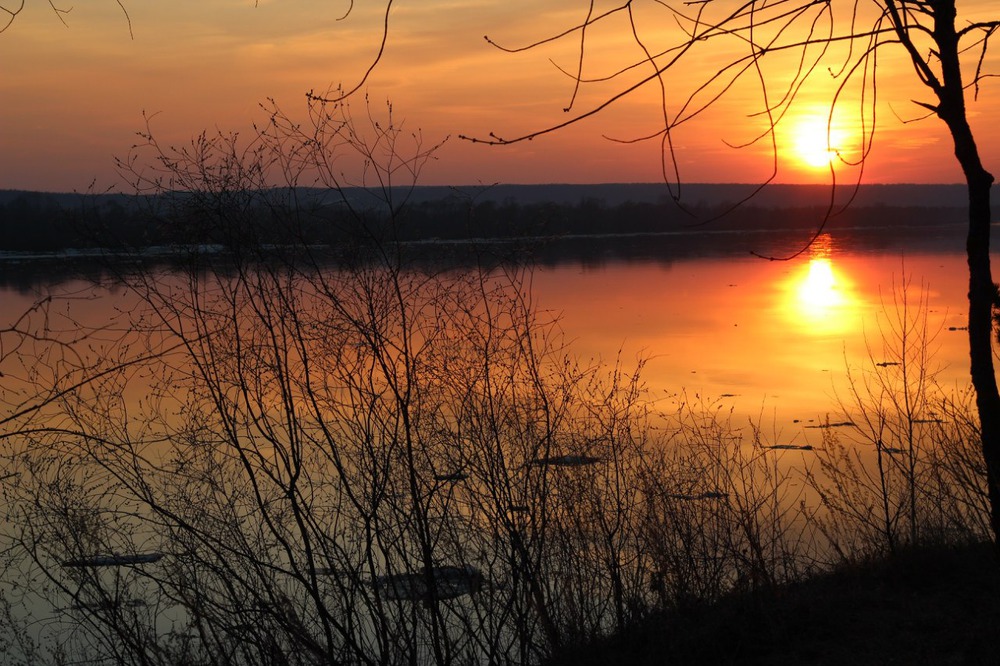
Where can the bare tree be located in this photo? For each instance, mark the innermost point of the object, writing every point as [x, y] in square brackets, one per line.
[778, 47]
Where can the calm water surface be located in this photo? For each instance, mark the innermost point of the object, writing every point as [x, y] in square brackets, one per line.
[769, 338]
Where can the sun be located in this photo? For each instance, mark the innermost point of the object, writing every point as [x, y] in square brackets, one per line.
[815, 143]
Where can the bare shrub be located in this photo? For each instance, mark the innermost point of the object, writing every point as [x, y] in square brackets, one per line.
[900, 467]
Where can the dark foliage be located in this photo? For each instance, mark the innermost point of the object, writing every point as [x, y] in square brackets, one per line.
[39, 222]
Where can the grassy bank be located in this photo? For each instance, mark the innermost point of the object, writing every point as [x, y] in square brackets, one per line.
[933, 605]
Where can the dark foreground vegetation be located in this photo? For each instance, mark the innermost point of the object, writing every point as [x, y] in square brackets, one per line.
[931, 605]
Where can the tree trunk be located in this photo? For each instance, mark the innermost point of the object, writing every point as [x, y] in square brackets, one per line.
[982, 291]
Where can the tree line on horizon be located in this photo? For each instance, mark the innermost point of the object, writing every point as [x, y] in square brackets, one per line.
[44, 222]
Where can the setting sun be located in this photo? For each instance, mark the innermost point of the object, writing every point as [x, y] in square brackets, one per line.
[815, 143]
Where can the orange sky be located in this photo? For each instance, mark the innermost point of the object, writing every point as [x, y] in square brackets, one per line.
[72, 97]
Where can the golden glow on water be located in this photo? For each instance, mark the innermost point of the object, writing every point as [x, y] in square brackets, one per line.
[820, 291]
[769, 337]
[820, 296]
[820, 299]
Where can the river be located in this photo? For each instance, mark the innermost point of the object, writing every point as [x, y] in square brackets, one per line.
[765, 337]
[771, 339]
[548, 510]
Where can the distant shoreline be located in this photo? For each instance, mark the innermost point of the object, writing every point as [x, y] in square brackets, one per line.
[613, 194]
[884, 231]
[40, 224]
[26, 271]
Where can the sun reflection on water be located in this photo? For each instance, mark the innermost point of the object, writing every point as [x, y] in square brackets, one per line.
[821, 298]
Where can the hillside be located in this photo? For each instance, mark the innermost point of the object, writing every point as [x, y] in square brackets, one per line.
[934, 606]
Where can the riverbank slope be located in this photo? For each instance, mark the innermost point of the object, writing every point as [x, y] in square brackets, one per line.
[934, 605]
